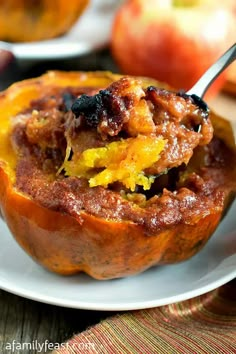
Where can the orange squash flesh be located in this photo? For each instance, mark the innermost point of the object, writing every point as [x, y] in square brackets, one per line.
[100, 247]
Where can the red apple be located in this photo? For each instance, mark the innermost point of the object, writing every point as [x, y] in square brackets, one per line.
[171, 40]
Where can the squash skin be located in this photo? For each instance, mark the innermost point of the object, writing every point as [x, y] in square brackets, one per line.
[102, 248]
[65, 245]
[27, 21]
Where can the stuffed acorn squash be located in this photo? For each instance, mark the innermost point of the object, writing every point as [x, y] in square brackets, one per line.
[111, 175]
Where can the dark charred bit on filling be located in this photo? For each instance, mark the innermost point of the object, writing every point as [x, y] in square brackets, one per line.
[89, 107]
[105, 111]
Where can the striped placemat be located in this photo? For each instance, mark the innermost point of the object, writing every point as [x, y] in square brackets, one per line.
[203, 325]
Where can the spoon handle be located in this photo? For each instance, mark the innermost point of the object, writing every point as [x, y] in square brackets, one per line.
[213, 72]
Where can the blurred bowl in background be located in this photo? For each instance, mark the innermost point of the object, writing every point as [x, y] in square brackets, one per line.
[174, 41]
[27, 20]
[90, 33]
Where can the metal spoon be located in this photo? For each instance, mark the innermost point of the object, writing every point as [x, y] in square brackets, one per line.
[199, 89]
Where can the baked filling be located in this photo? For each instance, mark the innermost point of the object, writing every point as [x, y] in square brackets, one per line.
[126, 152]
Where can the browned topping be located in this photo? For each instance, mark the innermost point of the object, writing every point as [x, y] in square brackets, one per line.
[188, 201]
[111, 110]
[46, 128]
[127, 109]
[123, 110]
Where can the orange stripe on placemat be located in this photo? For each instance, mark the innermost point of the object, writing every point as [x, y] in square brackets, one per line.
[203, 325]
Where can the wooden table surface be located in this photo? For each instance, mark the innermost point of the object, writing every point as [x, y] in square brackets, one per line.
[24, 320]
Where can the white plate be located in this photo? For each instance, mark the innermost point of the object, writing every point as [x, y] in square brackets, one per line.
[212, 267]
[92, 31]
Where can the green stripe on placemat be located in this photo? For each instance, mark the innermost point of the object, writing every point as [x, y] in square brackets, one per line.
[203, 325]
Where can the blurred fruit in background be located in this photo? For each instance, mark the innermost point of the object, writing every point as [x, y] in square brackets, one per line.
[172, 40]
[27, 20]
[230, 85]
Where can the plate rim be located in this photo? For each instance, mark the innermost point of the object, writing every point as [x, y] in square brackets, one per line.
[201, 285]
[31, 295]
